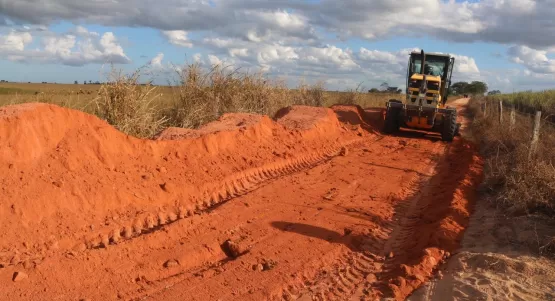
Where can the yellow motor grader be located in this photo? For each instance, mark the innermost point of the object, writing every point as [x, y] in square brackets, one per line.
[428, 84]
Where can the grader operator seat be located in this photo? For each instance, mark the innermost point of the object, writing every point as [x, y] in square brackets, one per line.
[428, 70]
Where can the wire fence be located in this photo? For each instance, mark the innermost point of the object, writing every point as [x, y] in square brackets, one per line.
[532, 113]
[509, 115]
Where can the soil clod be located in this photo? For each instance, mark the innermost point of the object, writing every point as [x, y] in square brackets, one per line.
[19, 276]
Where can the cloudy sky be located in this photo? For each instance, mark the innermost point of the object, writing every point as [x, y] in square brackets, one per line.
[510, 44]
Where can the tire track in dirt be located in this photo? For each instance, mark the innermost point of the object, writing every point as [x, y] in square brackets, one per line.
[214, 195]
[355, 270]
[431, 224]
[362, 262]
[234, 186]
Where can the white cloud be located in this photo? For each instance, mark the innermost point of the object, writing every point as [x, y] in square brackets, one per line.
[15, 41]
[82, 31]
[111, 46]
[286, 37]
[534, 60]
[220, 42]
[214, 60]
[240, 52]
[522, 22]
[377, 56]
[156, 62]
[68, 49]
[178, 37]
[340, 68]
[466, 69]
[197, 58]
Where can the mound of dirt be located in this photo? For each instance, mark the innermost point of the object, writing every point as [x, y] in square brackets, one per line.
[305, 118]
[237, 122]
[66, 175]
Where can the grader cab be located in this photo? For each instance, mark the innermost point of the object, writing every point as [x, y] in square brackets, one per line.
[428, 84]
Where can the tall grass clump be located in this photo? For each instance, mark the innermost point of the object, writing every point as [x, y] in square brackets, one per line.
[520, 183]
[351, 96]
[310, 95]
[202, 96]
[129, 105]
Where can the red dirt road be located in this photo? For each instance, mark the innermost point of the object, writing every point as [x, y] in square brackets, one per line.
[316, 205]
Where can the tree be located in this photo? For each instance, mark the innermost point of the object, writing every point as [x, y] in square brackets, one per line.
[373, 90]
[459, 88]
[84, 82]
[477, 87]
[76, 82]
[494, 92]
[384, 86]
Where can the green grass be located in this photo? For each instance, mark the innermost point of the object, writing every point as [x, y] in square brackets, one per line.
[530, 101]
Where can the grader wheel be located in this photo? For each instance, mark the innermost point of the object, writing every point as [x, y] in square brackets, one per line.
[392, 122]
[450, 126]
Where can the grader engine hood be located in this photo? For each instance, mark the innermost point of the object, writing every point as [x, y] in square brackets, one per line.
[431, 97]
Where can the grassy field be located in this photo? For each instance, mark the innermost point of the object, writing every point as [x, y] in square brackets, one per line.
[199, 96]
[530, 101]
[80, 95]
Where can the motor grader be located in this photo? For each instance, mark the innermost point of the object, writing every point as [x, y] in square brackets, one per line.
[428, 84]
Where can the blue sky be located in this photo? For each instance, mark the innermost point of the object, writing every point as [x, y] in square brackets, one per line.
[509, 44]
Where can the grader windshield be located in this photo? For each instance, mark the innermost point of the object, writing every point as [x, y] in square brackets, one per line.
[432, 67]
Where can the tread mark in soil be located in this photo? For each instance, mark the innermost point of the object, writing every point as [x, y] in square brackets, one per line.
[234, 186]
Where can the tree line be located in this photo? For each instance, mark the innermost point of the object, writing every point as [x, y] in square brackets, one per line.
[458, 88]
[472, 88]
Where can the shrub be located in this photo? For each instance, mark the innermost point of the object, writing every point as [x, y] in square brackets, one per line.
[203, 96]
[128, 105]
[310, 95]
[351, 96]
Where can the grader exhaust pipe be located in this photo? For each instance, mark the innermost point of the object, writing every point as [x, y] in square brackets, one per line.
[423, 62]
[424, 85]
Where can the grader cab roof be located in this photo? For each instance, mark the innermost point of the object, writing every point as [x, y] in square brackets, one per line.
[432, 54]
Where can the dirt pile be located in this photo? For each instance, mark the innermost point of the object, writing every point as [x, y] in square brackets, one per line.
[68, 177]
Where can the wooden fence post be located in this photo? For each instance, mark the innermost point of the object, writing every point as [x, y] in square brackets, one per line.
[500, 111]
[535, 134]
[513, 117]
[484, 108]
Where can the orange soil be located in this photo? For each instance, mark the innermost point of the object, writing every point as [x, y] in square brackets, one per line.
[313, 204]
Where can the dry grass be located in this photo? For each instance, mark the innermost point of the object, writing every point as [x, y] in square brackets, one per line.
[310, 95]
[204, 95]
[365, 100]
[520, 183]
[197, 96]
[128, 106]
